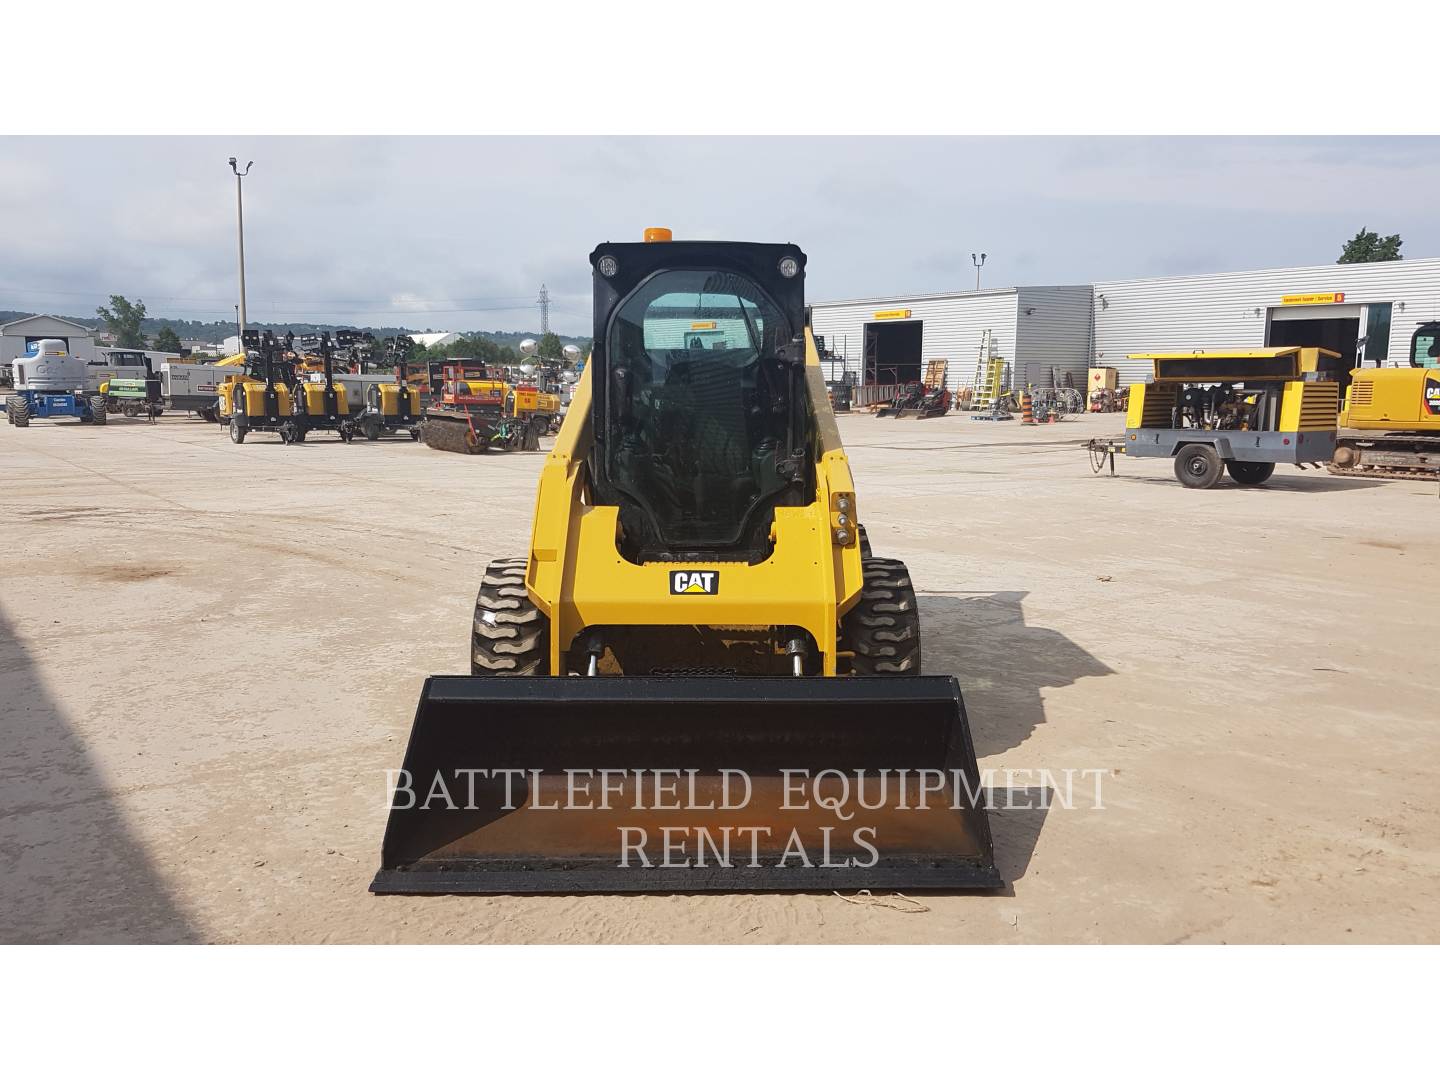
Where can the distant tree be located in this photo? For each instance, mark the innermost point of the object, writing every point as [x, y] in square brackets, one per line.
[1371, 247]
[167, 340]
[551, 347]
[123, 320]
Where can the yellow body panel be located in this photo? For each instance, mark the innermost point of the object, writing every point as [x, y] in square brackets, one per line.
[1391, 399]
[1309, 406]
[314, 398]
[1135, 410]
[1231, 354]
[253, 391]
[390, 399]
[578, 578]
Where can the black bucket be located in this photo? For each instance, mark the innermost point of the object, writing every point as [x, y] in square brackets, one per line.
[628, 784]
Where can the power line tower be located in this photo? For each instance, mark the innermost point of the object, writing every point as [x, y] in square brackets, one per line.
[544, 303]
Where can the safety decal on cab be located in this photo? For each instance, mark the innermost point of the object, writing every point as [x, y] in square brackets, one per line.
[701, 582]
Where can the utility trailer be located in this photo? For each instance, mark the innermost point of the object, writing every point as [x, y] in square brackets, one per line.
[1241, 411]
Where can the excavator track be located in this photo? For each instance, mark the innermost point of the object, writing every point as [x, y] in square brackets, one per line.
[1365, 472]
[1385, 450]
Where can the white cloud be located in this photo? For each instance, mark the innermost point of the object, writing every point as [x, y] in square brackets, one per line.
[366, 230]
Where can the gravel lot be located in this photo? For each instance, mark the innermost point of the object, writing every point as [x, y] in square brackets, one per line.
[209, 654]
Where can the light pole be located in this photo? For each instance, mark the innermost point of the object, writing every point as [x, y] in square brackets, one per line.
[240, 230]
[979, 261]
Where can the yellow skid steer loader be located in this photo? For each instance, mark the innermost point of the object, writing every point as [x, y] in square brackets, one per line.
[699, 678]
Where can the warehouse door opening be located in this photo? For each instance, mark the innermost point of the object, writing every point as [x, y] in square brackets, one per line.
[892, 351]
[1338, 333]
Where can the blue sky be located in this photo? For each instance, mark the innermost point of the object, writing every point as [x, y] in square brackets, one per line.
[460, 233]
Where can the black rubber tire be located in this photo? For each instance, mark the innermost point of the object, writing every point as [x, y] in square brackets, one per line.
[97, 409]
[237, 431]
[883, 628]
[865, 551]
[510, 636]
[371, 428]
[298, 433]
[1198, 466]
[18, 409]
[415, 433]
[1249, 473]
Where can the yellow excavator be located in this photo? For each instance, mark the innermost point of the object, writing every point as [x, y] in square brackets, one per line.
[697, 678]
[1390, 426]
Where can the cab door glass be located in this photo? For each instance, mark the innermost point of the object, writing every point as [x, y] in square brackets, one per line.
[1427, 348]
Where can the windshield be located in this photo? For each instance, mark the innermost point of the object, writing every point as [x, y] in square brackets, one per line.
[1427, 347]
[698, 406]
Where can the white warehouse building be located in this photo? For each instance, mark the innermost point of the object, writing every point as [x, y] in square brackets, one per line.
[17, 336]
[1366, 312]
[1039, 330]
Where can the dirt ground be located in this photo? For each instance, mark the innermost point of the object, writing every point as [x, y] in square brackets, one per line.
[209, 654]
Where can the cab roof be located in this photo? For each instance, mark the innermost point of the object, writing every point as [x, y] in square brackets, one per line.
[1228, 354]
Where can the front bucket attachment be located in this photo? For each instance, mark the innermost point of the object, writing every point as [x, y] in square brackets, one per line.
[629, 784]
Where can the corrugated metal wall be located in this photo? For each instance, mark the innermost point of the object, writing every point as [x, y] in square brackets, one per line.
[1053, 335]
[1215, 311]
[954, 324]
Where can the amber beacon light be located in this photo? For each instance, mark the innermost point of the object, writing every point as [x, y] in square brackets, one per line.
[657, 235]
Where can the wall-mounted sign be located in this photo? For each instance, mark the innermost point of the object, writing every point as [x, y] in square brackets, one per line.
[708, 324]
[1313, 298]
[893, 313]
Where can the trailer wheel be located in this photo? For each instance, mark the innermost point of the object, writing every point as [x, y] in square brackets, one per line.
[298, 433]
[1198, 466]
[371, 427]
[237, 431]
[97, 409]
[1249, 473]
[882, 630]
[511, 636]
